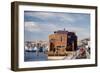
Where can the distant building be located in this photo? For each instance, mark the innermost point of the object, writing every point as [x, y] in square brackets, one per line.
[62, 40]
[84, 42]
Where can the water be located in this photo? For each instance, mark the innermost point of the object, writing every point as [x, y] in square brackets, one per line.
[41, 56]
[33, 56]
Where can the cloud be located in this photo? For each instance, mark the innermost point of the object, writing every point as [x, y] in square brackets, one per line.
[42, 30]
[40, 27]
[36, 27]
[52, 16]
[31, 26]
[40, 15]
[52, 21]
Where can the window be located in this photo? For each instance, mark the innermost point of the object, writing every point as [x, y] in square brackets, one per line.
[61, 39]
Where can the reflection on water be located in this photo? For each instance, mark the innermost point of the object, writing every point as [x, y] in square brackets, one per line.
[34, 56]
[41, 55]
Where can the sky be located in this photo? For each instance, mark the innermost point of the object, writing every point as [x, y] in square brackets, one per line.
[38, 25]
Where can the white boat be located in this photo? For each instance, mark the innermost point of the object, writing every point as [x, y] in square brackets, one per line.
[35, 48]
[30, 49]
[26, 48]
[47, 48]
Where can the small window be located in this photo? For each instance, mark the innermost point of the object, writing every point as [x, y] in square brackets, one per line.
[61, 38]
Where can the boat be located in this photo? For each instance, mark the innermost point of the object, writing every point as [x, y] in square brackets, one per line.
[31, 49]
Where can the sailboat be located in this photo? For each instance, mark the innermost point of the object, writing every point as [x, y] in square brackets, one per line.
[46, 48]
[35, 49]
[26, 48]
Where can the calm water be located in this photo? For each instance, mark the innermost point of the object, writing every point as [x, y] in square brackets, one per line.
[33, 56]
